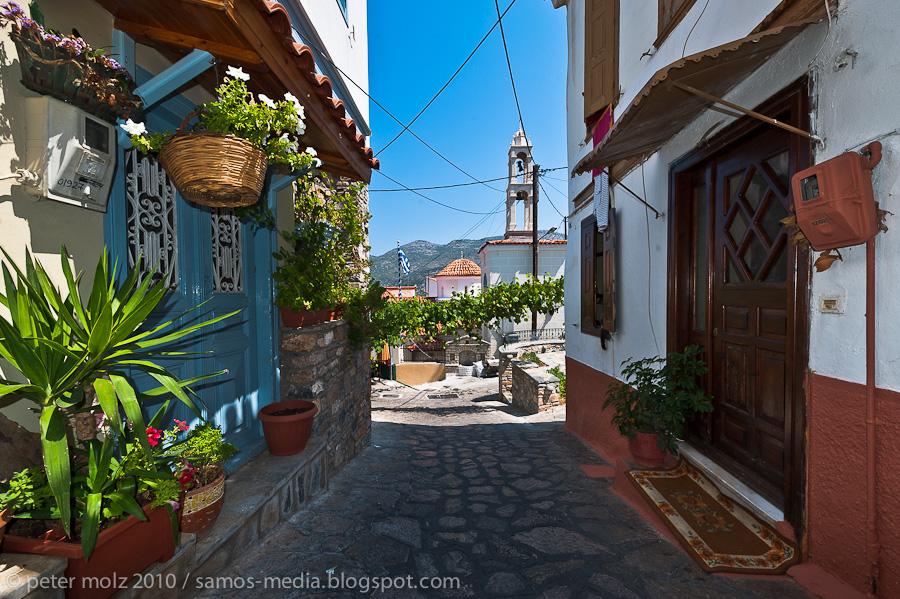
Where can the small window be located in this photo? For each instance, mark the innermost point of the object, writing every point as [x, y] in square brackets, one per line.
[598, 281]
[671, 12]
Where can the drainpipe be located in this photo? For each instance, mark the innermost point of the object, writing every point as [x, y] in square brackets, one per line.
[873, 548]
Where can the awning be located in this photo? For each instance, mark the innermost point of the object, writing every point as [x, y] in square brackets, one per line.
[255, 35]
[661, 110]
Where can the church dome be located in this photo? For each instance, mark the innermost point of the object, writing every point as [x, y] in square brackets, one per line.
[461, 268]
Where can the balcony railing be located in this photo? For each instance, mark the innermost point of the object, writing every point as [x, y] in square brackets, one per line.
[538, 335]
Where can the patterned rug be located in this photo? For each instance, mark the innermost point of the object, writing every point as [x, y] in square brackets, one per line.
[720, 535]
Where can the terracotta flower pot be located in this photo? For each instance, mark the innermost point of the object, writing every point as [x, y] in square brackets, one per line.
[306, 318]
[5, 517]
[201, 506]
[287, 435]
[645, 449]
[122, 551]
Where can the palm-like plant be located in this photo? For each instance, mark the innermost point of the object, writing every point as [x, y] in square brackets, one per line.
[63, 346]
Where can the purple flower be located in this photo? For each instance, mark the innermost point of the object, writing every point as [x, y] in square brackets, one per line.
[49, 37]
[27, 23]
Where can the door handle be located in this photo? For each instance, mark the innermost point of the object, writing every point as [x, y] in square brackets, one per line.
[715, 331]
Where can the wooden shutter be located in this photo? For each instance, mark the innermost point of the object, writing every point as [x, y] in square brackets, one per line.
[588, 253]
[609, 274]
[671, 12]
[601, 54]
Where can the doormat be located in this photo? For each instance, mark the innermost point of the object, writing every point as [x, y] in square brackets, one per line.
[719, 534]
[443, 396]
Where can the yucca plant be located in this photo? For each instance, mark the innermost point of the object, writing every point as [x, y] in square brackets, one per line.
[63, 346]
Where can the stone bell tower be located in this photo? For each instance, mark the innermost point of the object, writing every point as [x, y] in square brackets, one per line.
[519, 189]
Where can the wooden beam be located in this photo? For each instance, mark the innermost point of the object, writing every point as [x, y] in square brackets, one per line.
[259, 35]
[747, 111]
[189, 42]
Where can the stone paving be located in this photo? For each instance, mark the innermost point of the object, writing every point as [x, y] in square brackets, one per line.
[472, 489]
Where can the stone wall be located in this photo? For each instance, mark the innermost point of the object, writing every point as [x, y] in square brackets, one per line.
[533, 388]
[508, 353]
[318, 365]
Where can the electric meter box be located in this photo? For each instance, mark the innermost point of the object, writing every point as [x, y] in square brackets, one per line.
[834, 200]
[73, 152]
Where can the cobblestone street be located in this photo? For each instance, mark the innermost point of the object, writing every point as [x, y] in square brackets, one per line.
[466, 487]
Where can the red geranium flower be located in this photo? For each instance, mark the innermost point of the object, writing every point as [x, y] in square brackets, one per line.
[153, 435]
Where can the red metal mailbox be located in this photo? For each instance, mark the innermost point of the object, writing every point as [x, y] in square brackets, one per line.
[834, 201]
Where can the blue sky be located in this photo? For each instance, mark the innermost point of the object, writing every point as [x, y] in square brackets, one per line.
[414, 48]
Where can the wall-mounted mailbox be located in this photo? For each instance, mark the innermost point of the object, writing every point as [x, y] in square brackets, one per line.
[73, 152]
[834, 200]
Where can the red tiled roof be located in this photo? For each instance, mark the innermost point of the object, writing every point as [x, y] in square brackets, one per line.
[460, 268]
[279, 21]
[522, 242]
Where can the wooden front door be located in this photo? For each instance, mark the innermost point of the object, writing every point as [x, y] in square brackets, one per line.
[743, 297]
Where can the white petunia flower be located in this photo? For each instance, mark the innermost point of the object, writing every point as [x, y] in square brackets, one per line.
[238, 73]
[267, 100]
[293, 100]
[312, 152]
[132, 128]
[301, 128]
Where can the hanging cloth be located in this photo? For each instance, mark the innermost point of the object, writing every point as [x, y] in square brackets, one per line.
[601, 199]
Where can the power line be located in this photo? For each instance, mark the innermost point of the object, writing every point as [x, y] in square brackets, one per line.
[543, 170]
[427, 198]
[388, 112]
[452, 77]
[497, 208]
[546, 195]
[509, 66]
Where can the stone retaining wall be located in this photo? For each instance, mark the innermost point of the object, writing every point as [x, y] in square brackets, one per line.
[318, 365]
[508, 353]
[533, 388]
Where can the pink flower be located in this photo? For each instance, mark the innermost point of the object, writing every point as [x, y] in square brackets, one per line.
[153, 435]
[182, 425]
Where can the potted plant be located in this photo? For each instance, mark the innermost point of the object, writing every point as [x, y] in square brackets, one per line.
[125, 517]
[287, 425]
[222, 160]
[652, 403]
[68, 68]
[71, 355]
[321, 255]
[201, 475]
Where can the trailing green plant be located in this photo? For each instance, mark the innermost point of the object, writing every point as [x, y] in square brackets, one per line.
[63, 346]
[320, 262]
[465, 314]
[658, 395]
[561, 375]
[274, 126]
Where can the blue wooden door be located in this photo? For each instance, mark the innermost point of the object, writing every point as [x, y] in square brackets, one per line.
[209, 259]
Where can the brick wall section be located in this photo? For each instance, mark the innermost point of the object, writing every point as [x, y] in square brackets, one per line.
[533, 388]
[318, 365]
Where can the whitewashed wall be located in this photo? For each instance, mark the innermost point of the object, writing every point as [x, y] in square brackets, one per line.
[852, 105]
[345, 40]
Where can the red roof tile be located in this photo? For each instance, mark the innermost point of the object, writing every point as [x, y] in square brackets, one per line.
[460, 268]
[522, 242]
[280, 22]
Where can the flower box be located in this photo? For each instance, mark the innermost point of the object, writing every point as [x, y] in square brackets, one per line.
[123, 550]
[91, 84]
[305, 318]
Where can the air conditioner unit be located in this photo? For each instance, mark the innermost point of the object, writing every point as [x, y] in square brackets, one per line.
[73, 153]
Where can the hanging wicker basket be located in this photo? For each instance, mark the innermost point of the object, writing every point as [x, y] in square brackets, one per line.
[214, 169]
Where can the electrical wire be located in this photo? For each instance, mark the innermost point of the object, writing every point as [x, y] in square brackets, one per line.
[452, 77]
[547, 195]
[649, 264]
[422, 195]
[388, 112]
[692, 28]
[509, 66]
[459, 184]
[480, 221]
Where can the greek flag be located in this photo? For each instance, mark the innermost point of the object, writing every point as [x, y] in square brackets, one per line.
[403, 261]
